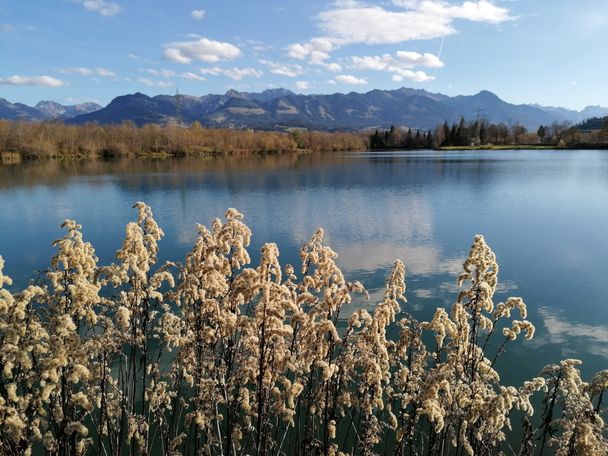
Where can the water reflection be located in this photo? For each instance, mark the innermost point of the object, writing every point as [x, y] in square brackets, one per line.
[544, 213]
[571, 336]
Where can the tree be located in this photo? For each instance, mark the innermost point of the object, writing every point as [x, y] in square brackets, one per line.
[557, 130]
[542, 132]
[518, 131]
[483, 133]
[409, 140]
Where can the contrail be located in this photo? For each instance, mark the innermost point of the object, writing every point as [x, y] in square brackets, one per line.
[439, 57]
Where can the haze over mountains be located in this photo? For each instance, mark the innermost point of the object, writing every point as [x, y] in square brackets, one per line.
[281, 109]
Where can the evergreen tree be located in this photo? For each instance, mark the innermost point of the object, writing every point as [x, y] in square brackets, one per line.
[409, 140]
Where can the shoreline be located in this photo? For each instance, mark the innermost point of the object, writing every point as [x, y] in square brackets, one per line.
[15, 158]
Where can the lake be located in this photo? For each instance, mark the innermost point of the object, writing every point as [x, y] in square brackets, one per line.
[544, 213]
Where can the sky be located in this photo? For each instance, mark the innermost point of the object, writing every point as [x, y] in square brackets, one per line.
[550, 52]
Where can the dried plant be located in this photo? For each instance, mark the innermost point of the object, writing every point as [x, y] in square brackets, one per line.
[215, 356]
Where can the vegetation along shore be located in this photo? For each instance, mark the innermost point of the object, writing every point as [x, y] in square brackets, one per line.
[31, 140]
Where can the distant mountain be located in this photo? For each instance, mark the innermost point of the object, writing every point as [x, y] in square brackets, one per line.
[44, 110]
[570, 115]
[18, 111]
[54, 110]
[594, 111]
[279, 109]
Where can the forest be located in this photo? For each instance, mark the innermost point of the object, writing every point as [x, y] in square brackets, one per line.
[480, 133]
[213, 355]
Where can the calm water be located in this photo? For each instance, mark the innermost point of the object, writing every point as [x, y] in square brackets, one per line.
[545, 214]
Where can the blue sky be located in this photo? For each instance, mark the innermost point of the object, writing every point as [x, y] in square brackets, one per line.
[526, 51]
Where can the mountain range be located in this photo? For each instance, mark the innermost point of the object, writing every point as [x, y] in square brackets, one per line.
[44, 110]
[280, 109]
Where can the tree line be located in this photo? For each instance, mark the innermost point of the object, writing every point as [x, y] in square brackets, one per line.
[482, 133]
[55, 139]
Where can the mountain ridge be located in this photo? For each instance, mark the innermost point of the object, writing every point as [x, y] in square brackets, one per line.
[44, 110]
[279, 109]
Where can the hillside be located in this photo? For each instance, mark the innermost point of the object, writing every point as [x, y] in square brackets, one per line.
[281, 109]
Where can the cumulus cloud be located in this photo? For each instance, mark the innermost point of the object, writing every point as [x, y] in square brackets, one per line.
[353, 22]
[315, 51]
[198, 14]
[401, 64]
[350, 79]
[302, 85]
[190, 76]
[102, 7]
[154, 83]
[416, 20]
[333, 67]
[42, 81]
[289, 70]
[233, 73]
[203, 50]
[84, 71]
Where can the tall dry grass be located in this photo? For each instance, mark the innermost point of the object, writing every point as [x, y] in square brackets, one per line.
[214, 356]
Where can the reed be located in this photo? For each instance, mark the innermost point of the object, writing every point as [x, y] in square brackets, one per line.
[215, 356]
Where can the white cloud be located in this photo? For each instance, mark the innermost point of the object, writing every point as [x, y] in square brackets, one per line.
[239, 73]
[204, 50]
[353, 22]
[163, 73]
[154, 83]
[416, 76]
[84, 71]
[102, 7]
[233, 73]
[401, 64]
[302, 85]
[350, 79]
[316, 51]
[190, 76]
[104, 72]
[79, 70]
[289, 70]
[198, 14]
[214, 71]
[418, 19]
[42, 81]
[333, 67]
[7, 28]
